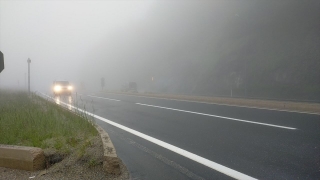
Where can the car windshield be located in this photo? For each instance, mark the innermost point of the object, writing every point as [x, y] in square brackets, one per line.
[62, 83]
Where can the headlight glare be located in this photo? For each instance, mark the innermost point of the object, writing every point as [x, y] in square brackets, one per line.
[57, 88]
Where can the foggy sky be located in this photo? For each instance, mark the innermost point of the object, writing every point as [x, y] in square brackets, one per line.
[122, 41]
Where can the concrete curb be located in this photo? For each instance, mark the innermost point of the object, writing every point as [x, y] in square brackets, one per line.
[22, 157]
[111, 162]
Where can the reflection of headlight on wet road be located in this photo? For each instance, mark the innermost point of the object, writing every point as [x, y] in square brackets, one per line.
[69, 87]
[57, 88]
[69, 104]
[57, 100]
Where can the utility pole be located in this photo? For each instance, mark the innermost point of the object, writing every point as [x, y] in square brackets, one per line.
[102, 83]
[246, 79]
[231, 81]
[152, 86]
[231, 90]
[29, 61]
[25, 81]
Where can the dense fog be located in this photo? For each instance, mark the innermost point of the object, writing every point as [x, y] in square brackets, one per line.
[164, 46]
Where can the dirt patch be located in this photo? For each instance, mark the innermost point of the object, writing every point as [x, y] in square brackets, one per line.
[83, 162]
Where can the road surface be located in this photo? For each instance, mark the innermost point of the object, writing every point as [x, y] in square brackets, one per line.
[223, 142]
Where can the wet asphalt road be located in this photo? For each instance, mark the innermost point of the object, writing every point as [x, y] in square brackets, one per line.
[260, 143]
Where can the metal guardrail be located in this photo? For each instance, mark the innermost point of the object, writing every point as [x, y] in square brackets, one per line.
[241, 97]
[273, 99]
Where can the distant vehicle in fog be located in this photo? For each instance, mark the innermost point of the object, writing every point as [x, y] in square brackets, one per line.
[62, 88]
[130, 87]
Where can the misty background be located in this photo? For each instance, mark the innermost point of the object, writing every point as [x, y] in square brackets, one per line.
[267, 49]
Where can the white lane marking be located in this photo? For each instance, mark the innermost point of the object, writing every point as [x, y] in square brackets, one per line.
[103, 98]
[234, 119]
[221, 104]
[173, 164]
[223, 117]
[218, 167]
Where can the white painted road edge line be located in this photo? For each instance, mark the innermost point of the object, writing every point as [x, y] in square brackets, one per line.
[103, 98]
[234, 119]
[221, 104]
[218, 167]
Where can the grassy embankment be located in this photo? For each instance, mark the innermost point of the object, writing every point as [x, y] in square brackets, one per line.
[32, 121]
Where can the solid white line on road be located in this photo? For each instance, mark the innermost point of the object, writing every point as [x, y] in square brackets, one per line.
[103, 98]
[234, 119]
[160, 157]
[218, 167]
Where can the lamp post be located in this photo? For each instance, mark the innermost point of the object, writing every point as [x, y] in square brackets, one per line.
[246, 79]
[29, 61]
[25, 81]
[232, 80]
[152, 82]
[102, 83]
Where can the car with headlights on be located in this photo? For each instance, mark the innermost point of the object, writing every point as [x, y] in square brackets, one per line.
[62, 88]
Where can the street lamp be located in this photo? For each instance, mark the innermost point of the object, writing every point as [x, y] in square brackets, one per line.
[232, 80]
[29, 61]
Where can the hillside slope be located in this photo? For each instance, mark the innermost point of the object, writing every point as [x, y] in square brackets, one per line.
[269, 50]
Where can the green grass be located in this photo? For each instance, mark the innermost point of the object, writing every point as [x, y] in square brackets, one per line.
[32, 121]
[93, 162]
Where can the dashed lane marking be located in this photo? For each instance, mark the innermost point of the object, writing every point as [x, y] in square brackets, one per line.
[223, 117]
[103, 98]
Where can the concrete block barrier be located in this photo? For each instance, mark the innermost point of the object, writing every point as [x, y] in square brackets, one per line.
[22, 157]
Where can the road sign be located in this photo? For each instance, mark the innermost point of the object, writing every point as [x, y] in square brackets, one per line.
[1, 62]
[102, 83]
[29, 61]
